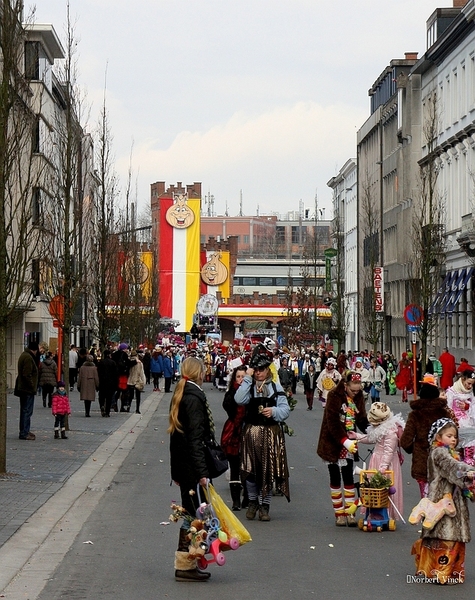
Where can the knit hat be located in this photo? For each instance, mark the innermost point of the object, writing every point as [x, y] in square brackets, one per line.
[358, 359]
[378, 413]
[428, 378]
[437, 426]
[90, 358]
[123, 346]
[331, 361]
[60, 384]
[428, 391]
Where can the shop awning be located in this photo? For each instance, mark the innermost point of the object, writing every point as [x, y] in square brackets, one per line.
[441, 295]
[457, 290]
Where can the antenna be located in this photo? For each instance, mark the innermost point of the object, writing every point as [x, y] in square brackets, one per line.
[240, 203]
[226, 213]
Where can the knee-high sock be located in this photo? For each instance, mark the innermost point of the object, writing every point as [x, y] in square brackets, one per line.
[350, 496]
[337, 501]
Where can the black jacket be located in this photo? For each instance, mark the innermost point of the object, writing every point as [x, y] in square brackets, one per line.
[187, 455]
[108, 374]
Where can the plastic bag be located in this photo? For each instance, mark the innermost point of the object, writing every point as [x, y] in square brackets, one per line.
[230, 524]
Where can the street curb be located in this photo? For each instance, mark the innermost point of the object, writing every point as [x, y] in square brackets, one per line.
[31, 555]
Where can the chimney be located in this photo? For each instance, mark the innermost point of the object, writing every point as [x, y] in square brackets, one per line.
[412, 55]
[460, 3]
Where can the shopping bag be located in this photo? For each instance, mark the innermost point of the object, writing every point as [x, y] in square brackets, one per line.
[230, 524]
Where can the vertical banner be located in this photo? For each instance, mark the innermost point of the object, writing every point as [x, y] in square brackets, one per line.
[378, 287]
[215, 273]
[179, 261]
[328, 274]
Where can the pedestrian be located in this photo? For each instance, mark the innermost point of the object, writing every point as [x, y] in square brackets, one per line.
[25, 388]
[434, 367]
[461, 400]
[377, 377]
[344, 412]
[449, 369]
[263, 453]
[146, 365]
[286, 376]
[108, 373]
[190, 426]
[121, 358]
[88, 383]
[430, 406]
[136, 381]
[60, 407]
[464, 366]
[328, 379]
[440, 551]
[47, 377]
[156, 367]
[403, 377]
[391, 379]
[73, 366]
[385, 430]
[310, 385]
[231, 435]
[168, 371]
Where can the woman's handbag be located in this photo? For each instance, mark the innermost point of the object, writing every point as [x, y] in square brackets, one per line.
[216, 460]
[230, 524]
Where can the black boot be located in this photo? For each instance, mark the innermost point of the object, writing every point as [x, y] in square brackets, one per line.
[56, 434]
[236, 495]
[185, 569]
[63, 434]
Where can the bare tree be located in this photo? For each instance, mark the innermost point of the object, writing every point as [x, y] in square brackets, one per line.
[340, 312]
[428, 227]
[20, 176]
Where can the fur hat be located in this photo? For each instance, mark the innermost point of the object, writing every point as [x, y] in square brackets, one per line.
[437, 426]
[378, 413]
[428, 391]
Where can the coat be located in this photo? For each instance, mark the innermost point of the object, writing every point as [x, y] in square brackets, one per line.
[156, 363]
[414, 438]
[306, 382]
[446, 476]
[60, 404]
[27, 381]
[333, 432]
[88, 381]
[449, 369]
[48, 370]
[137, 376]
[108, 372]
[168, 369]
[187, 449]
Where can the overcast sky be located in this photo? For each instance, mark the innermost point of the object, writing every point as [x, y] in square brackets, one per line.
[263, 96]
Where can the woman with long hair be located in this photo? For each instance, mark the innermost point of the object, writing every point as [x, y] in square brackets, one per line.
[231, 435]
[190, 426]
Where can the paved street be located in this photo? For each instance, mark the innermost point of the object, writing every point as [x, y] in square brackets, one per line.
[111, 542]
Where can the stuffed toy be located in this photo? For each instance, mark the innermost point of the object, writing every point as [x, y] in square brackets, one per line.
[432, 511]
[197, 536]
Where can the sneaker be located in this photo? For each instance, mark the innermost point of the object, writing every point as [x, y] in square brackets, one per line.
[29, 436]
[264, 512]
[351, 521]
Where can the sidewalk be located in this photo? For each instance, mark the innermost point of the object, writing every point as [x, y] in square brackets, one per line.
[37, 469]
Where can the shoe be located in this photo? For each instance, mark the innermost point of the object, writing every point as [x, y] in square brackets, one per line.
[56, 435]
[71, 389]
[107, 414]
[44, 403]
[351, 521]
[63, 435]
[88, 415]
[137, 412]
[341, 521]
[192, 575]
[251, 511]
[103, 411]
[114, 407]
[29, 436]
[264, 512]
[309, 408]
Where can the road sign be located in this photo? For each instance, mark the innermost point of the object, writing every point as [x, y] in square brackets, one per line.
[413, 328]
[413, 314]
[330, 252]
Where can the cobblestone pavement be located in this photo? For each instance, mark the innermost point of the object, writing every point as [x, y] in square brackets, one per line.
[37, 469]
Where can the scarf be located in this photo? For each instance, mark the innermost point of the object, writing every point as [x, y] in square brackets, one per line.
[375, 433]
[262, 388]
[459, 389]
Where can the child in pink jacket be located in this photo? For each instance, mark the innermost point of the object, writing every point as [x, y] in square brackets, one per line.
[60, 408]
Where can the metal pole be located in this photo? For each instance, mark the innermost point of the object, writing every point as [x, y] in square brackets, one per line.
[414, 363]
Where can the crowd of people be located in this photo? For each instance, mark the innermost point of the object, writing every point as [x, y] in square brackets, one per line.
[259, 383]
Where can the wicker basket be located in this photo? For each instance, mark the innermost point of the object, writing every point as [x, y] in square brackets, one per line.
[374, 497]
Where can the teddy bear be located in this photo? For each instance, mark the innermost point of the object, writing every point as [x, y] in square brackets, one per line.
[197, 536]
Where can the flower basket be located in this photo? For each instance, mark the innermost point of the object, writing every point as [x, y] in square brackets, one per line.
[374, 488]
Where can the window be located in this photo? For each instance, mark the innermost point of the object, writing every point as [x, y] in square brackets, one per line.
[371, 250]
[36, 206]
[295, 235]
[281, 281]
[35, 276]
[249, 281]
[280, 234]
[265, 280]
[246, 239]
[202, 239]
[32, 60]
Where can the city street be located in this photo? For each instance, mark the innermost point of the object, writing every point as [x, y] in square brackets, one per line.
[123, 549]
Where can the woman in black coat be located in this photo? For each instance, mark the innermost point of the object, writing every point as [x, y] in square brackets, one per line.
[190, 426]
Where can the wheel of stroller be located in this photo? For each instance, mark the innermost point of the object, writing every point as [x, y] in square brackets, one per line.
[233, 543]
[379, 529]
[220, 559]
[392, 525]
[360, 524]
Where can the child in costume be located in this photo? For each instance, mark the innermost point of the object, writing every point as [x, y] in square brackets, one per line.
[391, 378]
[461, 400]
[328, 379]
[60, 408]
[440, 552]
[384, 431]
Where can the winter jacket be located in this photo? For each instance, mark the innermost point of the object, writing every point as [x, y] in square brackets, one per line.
[168, 370]
[449, 369]
[137, 376]
[333, 432]
[48, 370]
[446, 477]
[307, 387]
[187, 454]
[88, 381]
[156, 363]
[60, 404]
[27, 382]
[414, 439]
[108, 372]
[232, 428]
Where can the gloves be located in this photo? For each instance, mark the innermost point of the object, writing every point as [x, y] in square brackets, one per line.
[350, 445]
